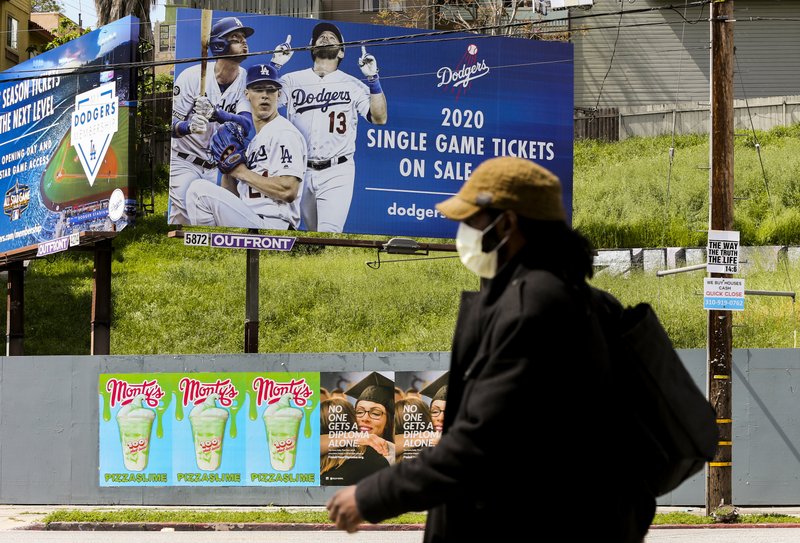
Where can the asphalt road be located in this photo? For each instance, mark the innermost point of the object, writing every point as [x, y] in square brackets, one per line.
[724, 535]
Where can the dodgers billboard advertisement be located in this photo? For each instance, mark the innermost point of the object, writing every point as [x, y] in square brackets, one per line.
[65, 118]
[354, 128]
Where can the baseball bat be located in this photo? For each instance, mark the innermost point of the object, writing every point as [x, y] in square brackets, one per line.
[205, 36]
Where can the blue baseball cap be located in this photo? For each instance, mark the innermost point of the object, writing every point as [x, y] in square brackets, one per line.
[263, 72]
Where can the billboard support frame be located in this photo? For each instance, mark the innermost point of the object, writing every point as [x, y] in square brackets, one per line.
[15, 309]
[101, 299]
[251, 320]
[251, 300]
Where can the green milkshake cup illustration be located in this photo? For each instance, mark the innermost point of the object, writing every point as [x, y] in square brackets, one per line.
[282, 422]
[208, 427]
[135, 423]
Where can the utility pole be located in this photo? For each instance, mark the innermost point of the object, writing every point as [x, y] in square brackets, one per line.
[720, 330]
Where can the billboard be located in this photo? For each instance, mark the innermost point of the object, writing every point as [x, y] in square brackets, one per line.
[347, 152]
[65, 123]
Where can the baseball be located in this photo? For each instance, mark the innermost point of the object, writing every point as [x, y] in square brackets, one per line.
[472, 49]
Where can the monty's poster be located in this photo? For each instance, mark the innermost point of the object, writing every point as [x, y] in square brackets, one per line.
[209, 429]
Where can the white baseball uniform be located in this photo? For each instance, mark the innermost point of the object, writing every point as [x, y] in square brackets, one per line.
[190, 158]
[325, 110]
[278, 149]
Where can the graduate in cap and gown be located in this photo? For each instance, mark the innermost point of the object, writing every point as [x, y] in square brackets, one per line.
[372, 420]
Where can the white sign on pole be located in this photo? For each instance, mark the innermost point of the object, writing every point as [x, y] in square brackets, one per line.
[723, 251]
[723, 294]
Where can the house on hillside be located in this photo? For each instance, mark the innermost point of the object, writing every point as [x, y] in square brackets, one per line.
[647, 67]
[43, 27]
[661, 56]
[14, 16]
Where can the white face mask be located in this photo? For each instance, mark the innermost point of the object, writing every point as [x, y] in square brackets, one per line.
[469, 244]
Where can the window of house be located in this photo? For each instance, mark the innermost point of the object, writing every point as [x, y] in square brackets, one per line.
[12, 29]
[376, 5]
[166, 37]
[370, 5]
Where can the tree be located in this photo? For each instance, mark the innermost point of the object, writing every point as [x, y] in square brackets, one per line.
[502, 16]
[113, 10]
[45, 6]
[66, 31]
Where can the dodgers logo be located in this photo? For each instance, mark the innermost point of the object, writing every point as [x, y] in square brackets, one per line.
[94, 123]
[467, 70]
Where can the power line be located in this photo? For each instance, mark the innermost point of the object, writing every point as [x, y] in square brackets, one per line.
[438, 36]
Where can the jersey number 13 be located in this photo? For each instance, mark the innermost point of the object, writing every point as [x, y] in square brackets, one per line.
[338, 122]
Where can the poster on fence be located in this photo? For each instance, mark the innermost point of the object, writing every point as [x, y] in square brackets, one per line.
[209, 429]
[357, 425]
[421, 399]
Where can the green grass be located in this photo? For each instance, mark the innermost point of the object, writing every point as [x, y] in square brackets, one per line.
[171, 299]
[680, 517]
[316, 516]
[625, 195]
[218, 516]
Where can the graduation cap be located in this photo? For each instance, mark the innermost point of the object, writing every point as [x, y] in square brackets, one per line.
[374, 388]
[437, 389]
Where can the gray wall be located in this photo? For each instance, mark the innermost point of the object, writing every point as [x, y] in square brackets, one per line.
[665, 63]
[49, 426]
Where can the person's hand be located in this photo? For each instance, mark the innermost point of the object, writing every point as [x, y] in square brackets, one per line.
[203, 107]
[368, 64]
[198, 124]
[283, 53]
[343, 510]
[229, 146]
[376, 442]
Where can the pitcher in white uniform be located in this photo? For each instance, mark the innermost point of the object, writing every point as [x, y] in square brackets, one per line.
[263, 191]
[324, 104]
[196, 116]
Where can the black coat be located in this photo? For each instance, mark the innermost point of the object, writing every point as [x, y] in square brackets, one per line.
[525, 415]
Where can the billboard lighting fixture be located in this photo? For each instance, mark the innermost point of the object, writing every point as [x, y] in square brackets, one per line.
[403, 246]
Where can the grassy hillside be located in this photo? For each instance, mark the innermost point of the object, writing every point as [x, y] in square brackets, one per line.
[174, 299]
[625, 196]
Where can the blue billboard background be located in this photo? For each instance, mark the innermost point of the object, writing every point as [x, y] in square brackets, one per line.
[47, 194]
[519, 102]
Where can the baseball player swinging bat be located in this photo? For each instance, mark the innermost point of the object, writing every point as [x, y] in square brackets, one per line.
[205, 36]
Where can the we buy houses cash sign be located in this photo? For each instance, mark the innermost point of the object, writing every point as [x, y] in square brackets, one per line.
[723, 294]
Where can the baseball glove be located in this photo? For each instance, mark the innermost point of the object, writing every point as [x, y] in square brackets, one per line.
[228, 146]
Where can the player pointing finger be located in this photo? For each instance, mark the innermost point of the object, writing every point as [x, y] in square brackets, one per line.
[368, 65]
[283, 53]
[330, 129]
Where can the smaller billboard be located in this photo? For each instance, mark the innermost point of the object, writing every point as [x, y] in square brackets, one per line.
[65, 135]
